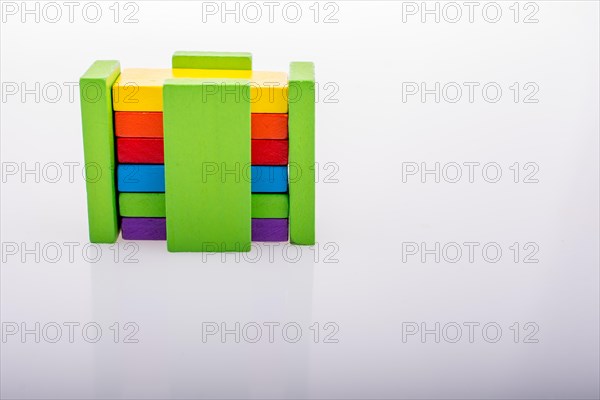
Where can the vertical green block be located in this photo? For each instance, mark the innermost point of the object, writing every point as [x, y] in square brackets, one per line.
[95, 89]
[212, 60]
[207, 164]
[301, 125]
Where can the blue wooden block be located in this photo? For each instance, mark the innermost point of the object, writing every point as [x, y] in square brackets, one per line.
[141, 178]
[151, 178]
[269, 179]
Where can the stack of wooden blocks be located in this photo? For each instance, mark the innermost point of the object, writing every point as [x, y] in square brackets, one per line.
[210, 155]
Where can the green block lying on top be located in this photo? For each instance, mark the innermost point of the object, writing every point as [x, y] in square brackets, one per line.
[264, 205]
[212, 60]
[207, 149]
[95, 89]
[301, 125]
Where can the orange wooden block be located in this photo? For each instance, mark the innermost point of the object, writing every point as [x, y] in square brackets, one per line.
[138, 124]
[269, 126]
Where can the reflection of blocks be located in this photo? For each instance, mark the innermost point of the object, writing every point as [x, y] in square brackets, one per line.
[202, 152]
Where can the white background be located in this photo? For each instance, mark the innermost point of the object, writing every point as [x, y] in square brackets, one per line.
[359, 277]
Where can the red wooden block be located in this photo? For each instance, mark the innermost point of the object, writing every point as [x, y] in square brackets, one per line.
[269, 152]
[138, 124]
[140, 151]
[269, 126]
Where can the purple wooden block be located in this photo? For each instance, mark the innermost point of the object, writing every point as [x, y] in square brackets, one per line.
[269, 229]
[144, 228]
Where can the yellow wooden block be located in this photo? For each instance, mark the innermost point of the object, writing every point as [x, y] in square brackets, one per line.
[140, 89]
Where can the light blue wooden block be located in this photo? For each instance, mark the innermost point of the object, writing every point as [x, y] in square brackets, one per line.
[269, 179]
[141, 178]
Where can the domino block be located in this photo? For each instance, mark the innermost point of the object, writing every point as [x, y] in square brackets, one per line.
[207, 212]
[144, 228]
[140, 151]
[140, 89]
[150, 124]
[212, 60]
[269, 126]
[269, 179]
[269, 152]
[270, 205]
[98, 145]
[142, 205]
[138, 124]
[141, 178]
[302, 152]
[270, 230]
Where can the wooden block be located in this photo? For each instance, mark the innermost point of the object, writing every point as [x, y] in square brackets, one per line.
[138, 124]
[270, 205]
[142, 89]
[269, 152]
[302, 152]
[141, 178]
[212, 60]
[269, 230]
[269, 179]
[144, 228]
[140, 151]
[142, 205]
[269, 126]
[99, 151]
[206, 136]
[263, 230]
[150, 124]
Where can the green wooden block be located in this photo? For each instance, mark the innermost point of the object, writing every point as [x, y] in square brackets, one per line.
[301, 126]
[142, 205]
[207, 156]
[264, 205]
[212, 60]
[95, 89]
[270, 205]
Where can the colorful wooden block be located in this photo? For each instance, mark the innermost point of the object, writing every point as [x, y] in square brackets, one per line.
[270, 205]
[212, 60]
[269, 126]
[270, 230]
[142, 205]
[138, 124]
[144, 228]
[140, 151]
[150, 124]
[269, 152]
[141, 178]
[264, 205]
[263, 230]
[302, 152]
[269, 179]
[208, 206]
[141, 89]
[98, 146]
